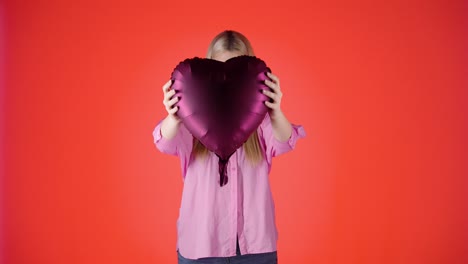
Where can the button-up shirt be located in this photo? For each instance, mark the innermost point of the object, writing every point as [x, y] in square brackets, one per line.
[210, 216]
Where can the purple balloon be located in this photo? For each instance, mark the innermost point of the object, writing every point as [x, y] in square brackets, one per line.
[221, 103]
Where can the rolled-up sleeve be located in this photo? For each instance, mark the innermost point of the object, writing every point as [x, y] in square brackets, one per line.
[180, 145]
[275, 147]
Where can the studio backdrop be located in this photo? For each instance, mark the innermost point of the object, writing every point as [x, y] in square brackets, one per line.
[380, 87]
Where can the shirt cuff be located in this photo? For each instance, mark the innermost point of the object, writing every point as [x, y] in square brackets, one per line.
[297, 132]
[163, 144]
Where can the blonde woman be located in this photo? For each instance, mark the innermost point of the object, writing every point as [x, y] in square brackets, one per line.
[234, 223]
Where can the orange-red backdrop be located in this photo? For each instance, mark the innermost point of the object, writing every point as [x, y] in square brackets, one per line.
[381, 88]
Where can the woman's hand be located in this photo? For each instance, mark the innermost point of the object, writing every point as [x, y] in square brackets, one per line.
[169, 100]
[170, 124]
[275, 94]
[282, 129]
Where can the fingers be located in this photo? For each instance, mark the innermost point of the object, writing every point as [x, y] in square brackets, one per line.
[169, 103]
[273, 106]
[273, 85]
[168, 95]
[275, 100]
[270, 94]
[274, 78]
[270, 105]
[167, 85]
[275, 94]
[172, 111]
[170, 106]
[169, 100]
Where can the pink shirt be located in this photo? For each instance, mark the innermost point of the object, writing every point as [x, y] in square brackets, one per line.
[210, 216]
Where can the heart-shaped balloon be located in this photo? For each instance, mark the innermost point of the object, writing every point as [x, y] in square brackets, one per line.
[221, 103]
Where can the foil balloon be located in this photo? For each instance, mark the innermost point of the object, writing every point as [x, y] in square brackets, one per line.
[221, 103]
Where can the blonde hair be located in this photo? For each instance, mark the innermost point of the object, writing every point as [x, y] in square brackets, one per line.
[230, 40]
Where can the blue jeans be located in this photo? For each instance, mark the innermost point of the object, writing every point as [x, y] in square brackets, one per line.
[261, 258]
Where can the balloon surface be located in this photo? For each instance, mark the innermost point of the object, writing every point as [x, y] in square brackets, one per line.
[221, 103]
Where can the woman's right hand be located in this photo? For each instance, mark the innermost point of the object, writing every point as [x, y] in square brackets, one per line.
[170, 100]
[170, 124]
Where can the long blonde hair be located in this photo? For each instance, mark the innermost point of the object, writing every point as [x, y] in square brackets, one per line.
[230, 40]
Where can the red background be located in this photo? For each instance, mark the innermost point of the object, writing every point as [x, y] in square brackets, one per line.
[381, 88]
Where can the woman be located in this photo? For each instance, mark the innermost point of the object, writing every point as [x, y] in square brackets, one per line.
[235, 222]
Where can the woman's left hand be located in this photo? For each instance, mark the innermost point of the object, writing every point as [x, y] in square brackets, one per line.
[275, 94]
[282, 129]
